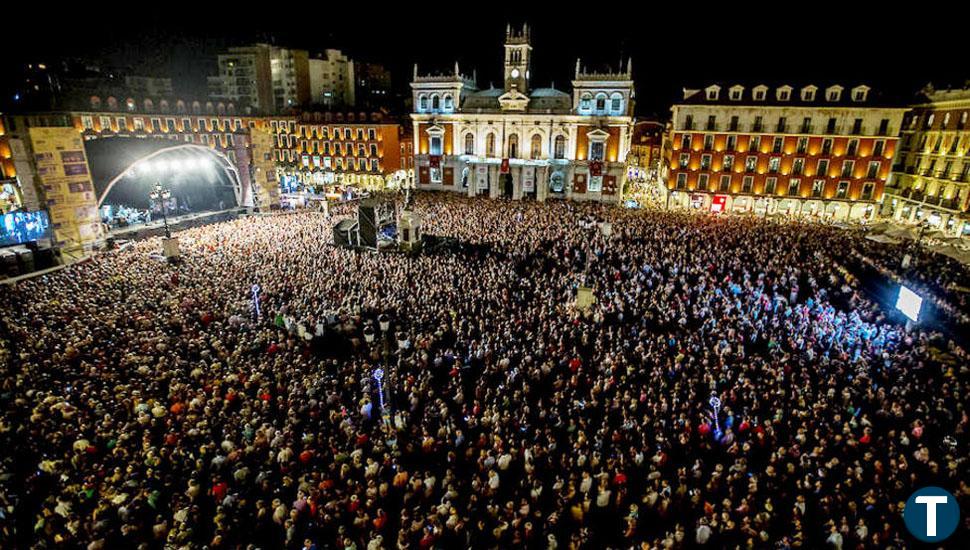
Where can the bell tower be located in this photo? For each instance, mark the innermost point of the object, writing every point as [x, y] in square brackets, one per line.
[518, 59]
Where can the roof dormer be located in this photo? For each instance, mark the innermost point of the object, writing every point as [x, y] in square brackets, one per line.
[712, 92]
[860, 93]
[833, 93]
[783, 93]
[736, 92]
[759, 92]
[808, 92]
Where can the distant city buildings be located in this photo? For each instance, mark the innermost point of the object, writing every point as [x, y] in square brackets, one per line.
[807, 151]
[931, 176]
[332, 80]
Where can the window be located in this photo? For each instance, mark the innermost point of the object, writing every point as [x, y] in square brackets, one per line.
[770, 185]
[490, 145]
[705, 162]
[793, 186]
[728, 163]
[684, 160]
[702, 182]
[797, 166]
[436, 175]
[681, 181]
[586, 102]
[685, 141]
[842, 190]
[818, 186]
[87, 122]
[725, 184]
[733, 125]
[597, 150]
[170, 123]
[847, 167]
[783, 94]
[122, 124]
[879, 146]
[535, 148]
[514, 146]
[759, 95]
[689, 122]
[873, 171]
[735, 94]
[830, 126]
[712, 93]
[616, 103]
[449, 102]
[601, 102]
[732, 142]
[708, 142]
[751, 164]
[423, 103]
[884, 127]
[139, 123]
[827, 146]
[782, 124]
[712, 122]
[754, 145]
[773, 164]
[469, 144]
[823, 168]
[560, 147]
[747, 184]
[852, 148]
[373, 149]
[779, 142]
[435, 103]
[807, 125]
[802, 145]
[435, 145]
[867, 191]
[857, 126]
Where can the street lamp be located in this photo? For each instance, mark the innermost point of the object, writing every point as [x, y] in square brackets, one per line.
[162, 193]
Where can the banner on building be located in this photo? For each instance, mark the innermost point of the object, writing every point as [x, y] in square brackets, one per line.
[264, 168]
[596, 168]
[528, 179]
[63, 172]
[505, 166]
[434, 161]
[609, 185]
[718, 203]
[481, 176]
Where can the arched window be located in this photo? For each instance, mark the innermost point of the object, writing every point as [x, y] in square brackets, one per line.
[560, 148]
[616, 103]
[423, 103]
[112, 103]
[600, 103]
[149, 106]
[130, 104]
[514, 146]
[469, 144]
[490, 145]
[95, 102]
[449, 103]
[535, 148]
[435, 103]
[586, 102]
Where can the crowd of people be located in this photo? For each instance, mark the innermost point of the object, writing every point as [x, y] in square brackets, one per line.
[151, 405]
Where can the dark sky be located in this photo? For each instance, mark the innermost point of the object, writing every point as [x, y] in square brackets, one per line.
[889, 46]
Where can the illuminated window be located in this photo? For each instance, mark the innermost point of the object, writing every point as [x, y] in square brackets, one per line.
[514, 146]
[560, 147]
[490, 145]
[469, 144]
[535, 149]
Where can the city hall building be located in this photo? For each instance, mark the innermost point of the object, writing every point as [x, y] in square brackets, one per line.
[816, 152]
[522, 141]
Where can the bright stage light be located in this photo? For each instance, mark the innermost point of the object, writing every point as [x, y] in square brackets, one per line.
[909, 303]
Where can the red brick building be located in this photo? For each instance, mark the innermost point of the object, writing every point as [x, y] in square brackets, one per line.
[804, 151]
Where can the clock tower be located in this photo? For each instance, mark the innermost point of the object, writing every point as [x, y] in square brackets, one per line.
[518, 59]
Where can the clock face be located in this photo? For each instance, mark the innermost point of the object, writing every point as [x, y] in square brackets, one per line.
[515, 73]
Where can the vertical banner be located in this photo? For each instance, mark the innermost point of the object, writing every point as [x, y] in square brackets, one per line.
[264, 168]
[481, 176]
[528, 179]
[62, 169]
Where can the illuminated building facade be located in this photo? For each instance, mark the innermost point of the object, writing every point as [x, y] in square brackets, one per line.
[332, 78]
[807, 151]
[645, 148]
[520, 141]
[931, 177]
[320, 149]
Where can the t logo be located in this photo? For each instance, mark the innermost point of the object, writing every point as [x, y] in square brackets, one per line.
[931, 514]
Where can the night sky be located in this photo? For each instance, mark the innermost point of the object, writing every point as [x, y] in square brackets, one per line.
[674, 44]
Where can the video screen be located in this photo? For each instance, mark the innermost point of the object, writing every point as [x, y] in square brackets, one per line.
[23, 227]
[909, 303]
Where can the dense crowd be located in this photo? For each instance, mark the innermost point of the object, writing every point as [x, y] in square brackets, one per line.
[149, 405]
